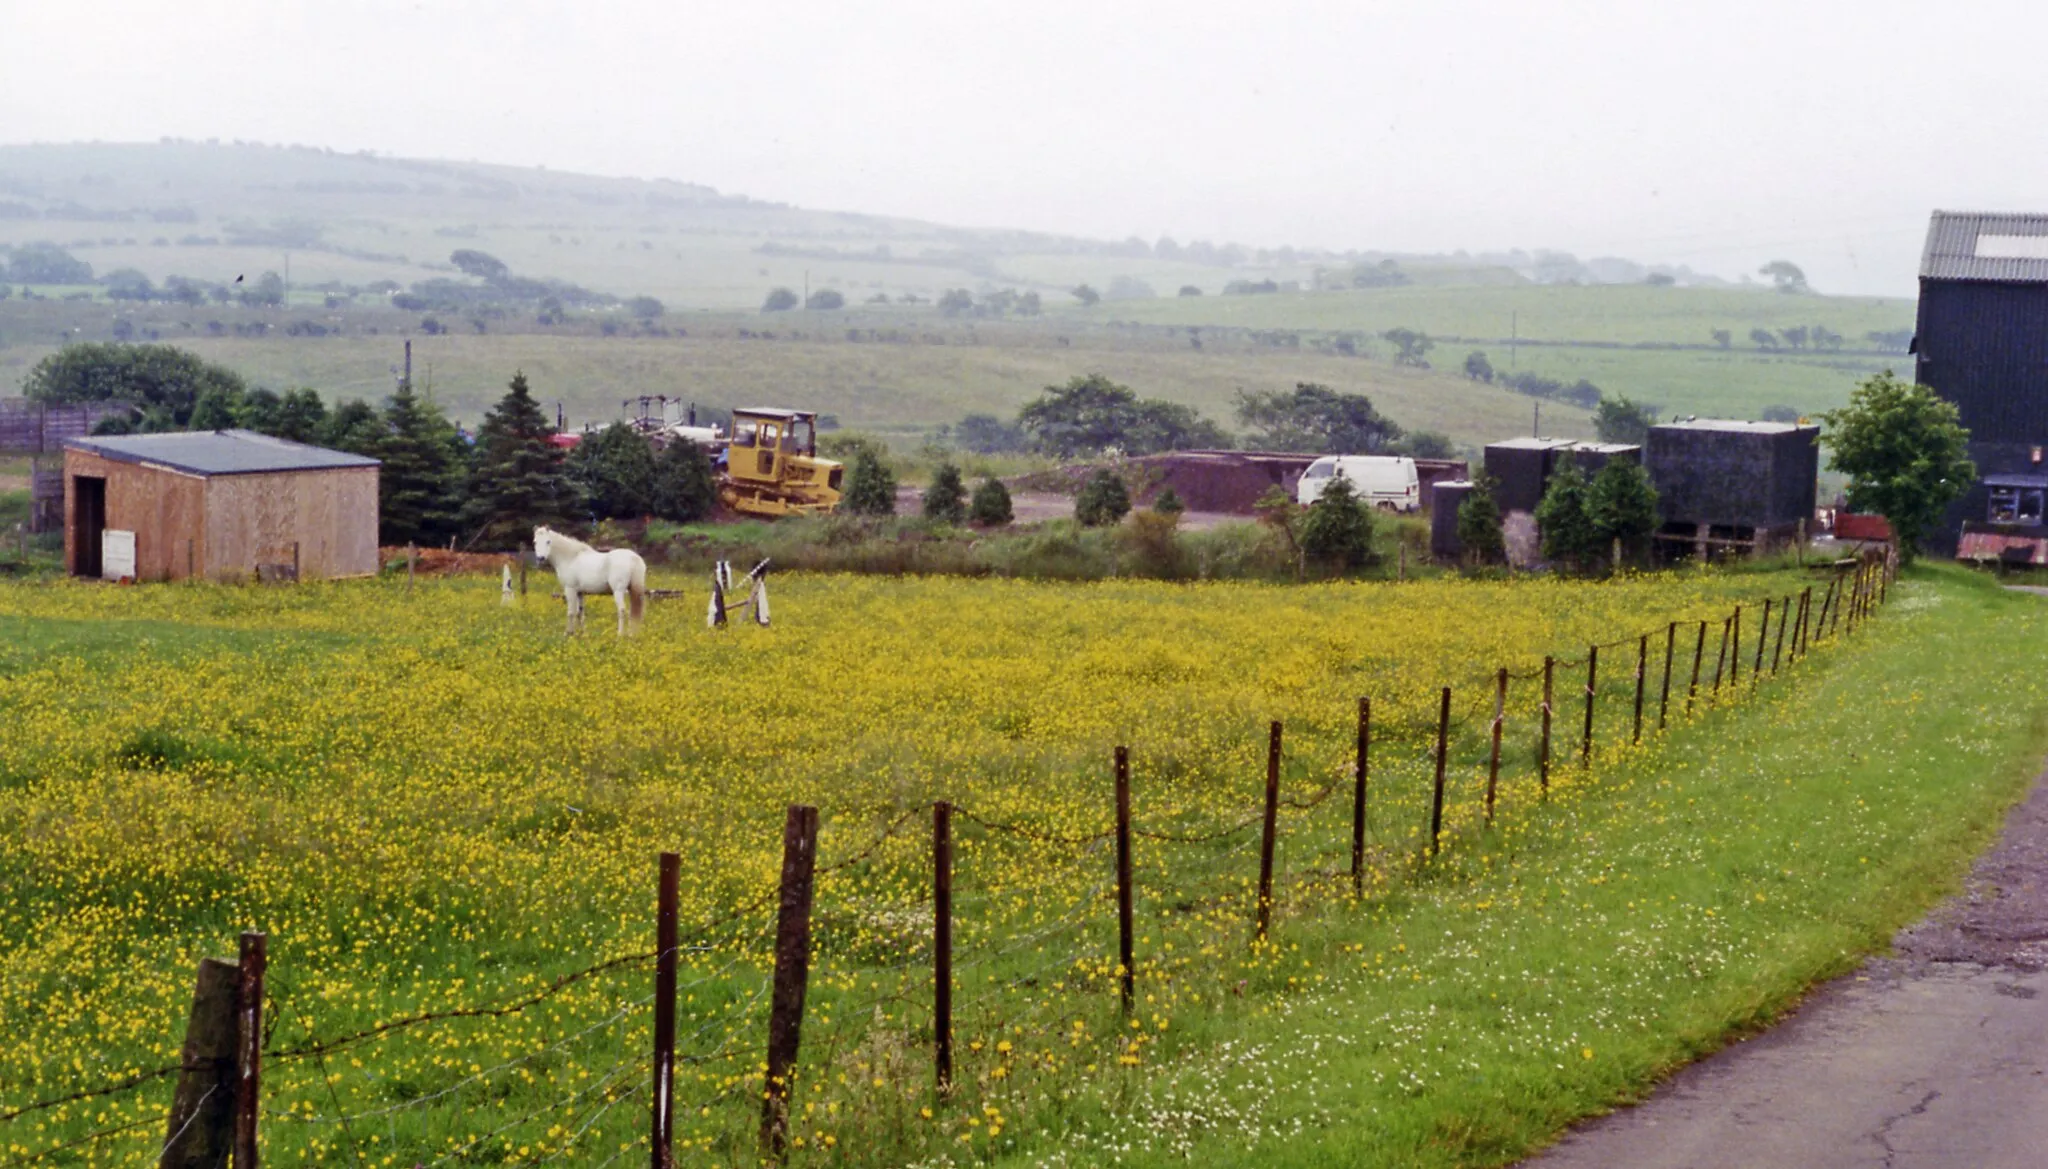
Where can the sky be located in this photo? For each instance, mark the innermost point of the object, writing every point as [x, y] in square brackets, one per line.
[1716, 134]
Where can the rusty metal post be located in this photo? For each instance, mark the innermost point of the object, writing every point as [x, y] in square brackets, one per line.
[1642, 671]
[1543, 753]
[1500, 714]
[1272, 825]
[295, 562]
[942, 943]
[1664, 703]
[255, 960]
[667, 899]
[1126, 951]
[792, 972]
[1699, 651]
[1592, 688]
[200, 1130]
[1361, 775]
[1436, 807]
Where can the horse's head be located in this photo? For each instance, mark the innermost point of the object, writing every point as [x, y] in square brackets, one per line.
[543, 543]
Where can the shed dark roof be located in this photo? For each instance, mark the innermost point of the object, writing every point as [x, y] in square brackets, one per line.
[1734, 426]
[218, 452]
[2001, 248]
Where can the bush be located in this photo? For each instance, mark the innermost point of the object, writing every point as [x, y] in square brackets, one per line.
[685, 486]
[870, 486]
[1621, 505]
[991, 504]
[779, 301]
[1479, 529]
[1338, 527]
[1167, 502]
[1568, 532]
[1104, 500]
[1151, 540]
[945, 500]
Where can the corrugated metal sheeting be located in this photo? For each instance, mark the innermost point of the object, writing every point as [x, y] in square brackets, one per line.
[1968, 245]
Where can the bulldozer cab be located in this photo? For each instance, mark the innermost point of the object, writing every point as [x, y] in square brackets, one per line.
[763, 442]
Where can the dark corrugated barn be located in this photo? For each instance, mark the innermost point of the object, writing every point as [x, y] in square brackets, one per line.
[1982, 342]
[224, 504]
[1731, 485]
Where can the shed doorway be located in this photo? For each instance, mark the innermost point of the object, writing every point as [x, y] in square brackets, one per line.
[88, 522]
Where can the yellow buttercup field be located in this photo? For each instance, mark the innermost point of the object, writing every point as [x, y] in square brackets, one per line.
[435, 804]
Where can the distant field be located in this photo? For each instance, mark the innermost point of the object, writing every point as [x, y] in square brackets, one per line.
[942, 370]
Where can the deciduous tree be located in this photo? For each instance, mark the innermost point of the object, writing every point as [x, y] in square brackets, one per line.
[1905, 452]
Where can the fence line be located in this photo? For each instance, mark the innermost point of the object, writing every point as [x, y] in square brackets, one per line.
[1860, 590]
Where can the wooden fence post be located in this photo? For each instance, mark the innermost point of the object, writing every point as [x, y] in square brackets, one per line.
[255, 962]
[1592, 688]
[1664, 703]
[1266, 839]
[792, 972]
[667, 899]
[1699, 651]
[295, 562]
[1805, 620]
[1642, 670]
[942, 940]
[1784, 617]
[412, 554]
[1543, 753]
[1720, 658]
[199, 1133]
[1762, 636]
[524, 556]
[1126, 952]
[1362, 770]
[1734, 649]
[1500, 714]
[1436, 808]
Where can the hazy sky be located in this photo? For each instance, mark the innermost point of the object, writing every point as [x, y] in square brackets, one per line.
[1717, 134]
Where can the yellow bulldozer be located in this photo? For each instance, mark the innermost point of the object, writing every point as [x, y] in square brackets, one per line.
[772, 466]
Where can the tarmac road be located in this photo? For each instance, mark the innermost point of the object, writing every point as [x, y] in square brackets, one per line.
[1934, 1057]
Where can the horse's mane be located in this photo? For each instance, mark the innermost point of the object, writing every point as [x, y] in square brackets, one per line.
[572, 544]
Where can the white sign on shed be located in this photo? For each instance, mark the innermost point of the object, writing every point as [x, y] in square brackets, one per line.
[117, 554]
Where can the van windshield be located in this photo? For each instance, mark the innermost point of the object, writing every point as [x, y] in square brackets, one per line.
[1319, 470]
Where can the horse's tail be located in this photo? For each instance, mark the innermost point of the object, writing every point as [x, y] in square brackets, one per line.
[636, 589]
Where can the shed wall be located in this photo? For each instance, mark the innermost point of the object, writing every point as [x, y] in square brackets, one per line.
[164, 508]
[330, 514]
[1984, 347]
[1733, 478]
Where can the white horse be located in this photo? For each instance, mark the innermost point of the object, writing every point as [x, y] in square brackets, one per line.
[584, 570]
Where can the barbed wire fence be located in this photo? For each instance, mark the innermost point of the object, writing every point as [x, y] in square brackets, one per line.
[1508, 729]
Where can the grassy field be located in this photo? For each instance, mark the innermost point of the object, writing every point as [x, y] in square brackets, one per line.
[456, 807]
[934, 372]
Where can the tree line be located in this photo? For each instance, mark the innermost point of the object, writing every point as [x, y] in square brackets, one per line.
[437, 483]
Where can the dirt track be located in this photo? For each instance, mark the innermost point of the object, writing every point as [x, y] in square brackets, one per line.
[1936, 1056]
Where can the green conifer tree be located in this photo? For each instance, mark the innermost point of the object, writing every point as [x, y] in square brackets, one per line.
[945, 499]
[417, 487]
[516, 476]
[870, 486]
[1167, 502]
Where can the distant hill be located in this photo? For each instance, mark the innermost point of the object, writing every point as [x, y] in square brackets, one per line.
[214, 211]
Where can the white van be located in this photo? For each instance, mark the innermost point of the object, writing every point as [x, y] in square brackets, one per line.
[1387, 482]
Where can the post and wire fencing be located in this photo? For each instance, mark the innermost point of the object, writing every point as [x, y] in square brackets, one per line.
[908, 973]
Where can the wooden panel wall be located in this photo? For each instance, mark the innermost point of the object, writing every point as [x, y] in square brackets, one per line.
[164, 508]
[255, 519]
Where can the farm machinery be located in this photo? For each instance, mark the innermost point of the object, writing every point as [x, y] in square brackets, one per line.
[771, 465]
[768, 466]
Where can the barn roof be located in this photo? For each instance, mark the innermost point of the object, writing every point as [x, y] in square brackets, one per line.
[1733, 426]
[2001, 248]
[218, 452]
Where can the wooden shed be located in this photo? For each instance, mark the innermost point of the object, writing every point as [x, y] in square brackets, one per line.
[218, 504]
